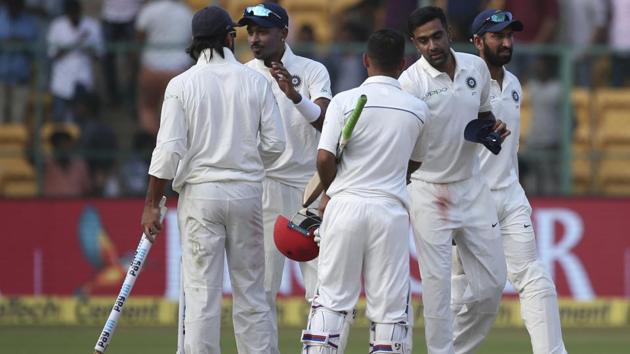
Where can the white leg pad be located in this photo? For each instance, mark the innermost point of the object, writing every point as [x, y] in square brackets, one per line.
[389, 338]
[325, 332]
[345, 331]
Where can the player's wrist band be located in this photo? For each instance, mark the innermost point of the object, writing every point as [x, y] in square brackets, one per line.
[309, 110]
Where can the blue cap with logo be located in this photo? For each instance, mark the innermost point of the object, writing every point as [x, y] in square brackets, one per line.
[481, 131]
[492, 20]
[266, 15]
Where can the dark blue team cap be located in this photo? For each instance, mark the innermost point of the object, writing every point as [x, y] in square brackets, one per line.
[481, 131]
[266, 15]
[211, 21]
[492, 20]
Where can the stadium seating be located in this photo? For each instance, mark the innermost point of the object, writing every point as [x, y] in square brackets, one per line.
[612, 111]
[581, 108]
[614, 175]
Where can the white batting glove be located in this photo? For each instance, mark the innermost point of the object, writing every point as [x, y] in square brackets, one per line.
[316, 236]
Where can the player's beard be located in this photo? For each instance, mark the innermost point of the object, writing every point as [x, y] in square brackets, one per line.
[502, 56]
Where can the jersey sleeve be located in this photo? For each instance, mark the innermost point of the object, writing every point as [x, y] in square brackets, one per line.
[331, 131]
[172, 137]
[272, 135]
[485, 105]
[319, 86]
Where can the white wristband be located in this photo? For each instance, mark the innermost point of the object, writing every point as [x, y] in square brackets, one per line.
[309, 110]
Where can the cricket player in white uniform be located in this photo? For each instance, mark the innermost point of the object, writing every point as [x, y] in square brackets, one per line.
[220, 124]
[450, 200]
[492, 36]
[366, 223]
[301, 87]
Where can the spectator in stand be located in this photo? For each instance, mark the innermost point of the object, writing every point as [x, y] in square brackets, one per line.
[164, 27]
[65, 173]
[306, 42]
[118, 20]
[583, 24]
[74, 41]
[18, 29]
[396, 13]
[620, 41]
[541, 19]
[345, 62]
[460, 15]
[99, 145]
[545, 133]
[45, 10]
[133, 177]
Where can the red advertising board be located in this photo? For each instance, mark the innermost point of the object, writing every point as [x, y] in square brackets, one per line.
[83, 246]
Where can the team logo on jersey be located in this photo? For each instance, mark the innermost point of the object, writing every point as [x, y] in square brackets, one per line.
[471, 82]
[515, 96]
[295, 81]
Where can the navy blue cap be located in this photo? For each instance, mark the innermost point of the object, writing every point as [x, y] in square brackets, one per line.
[481, 131]
[492, 20]
[211, 21]
[266, 15]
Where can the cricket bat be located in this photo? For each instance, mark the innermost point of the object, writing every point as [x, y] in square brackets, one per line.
[314, 186]
[130, 279]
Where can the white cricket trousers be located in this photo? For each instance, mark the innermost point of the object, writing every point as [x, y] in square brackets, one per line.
[369, 237]
[216, 220]
[463, 211]
[281, 199]
[537, 292]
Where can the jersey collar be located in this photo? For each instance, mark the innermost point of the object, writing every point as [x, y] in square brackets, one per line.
[380, 79]
[216, 58]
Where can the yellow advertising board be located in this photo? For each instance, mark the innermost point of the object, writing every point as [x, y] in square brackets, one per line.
[292, 312]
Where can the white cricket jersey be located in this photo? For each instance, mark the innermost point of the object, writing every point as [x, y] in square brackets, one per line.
[386, 137]
[447, 157]
[219, 122]
[501, 170]
[310, 78]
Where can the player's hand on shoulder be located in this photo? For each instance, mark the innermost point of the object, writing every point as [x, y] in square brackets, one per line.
[501, 128]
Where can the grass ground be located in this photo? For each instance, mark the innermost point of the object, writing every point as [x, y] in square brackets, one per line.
[162, 340]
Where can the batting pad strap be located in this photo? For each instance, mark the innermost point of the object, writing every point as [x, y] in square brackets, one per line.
[315, 338]
[387, 347]
[309, 110]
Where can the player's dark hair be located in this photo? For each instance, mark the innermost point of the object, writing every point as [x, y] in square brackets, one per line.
[386, 49]
[424, 15]
[199, 44]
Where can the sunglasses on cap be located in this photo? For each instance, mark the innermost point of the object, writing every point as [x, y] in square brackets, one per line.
[260, 11]
[499, 17]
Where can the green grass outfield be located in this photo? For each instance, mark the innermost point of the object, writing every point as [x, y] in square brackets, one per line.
[162, 340]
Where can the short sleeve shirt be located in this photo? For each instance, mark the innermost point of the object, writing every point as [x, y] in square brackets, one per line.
[501, 170]
[386, 136]
[310, 78]
[446, 156]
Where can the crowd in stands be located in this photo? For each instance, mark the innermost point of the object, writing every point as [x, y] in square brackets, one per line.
[102, 67]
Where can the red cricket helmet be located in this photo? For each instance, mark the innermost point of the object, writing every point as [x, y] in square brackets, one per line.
[294, 238]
